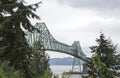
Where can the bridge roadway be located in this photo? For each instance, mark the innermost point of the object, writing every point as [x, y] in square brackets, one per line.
[49, 43]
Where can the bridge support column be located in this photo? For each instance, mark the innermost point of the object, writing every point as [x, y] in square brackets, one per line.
[85, 68]
[76, 67]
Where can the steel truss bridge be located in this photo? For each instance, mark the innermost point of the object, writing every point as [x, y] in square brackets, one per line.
[45, 38]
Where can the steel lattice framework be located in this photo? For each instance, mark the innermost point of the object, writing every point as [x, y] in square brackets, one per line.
[49, 43]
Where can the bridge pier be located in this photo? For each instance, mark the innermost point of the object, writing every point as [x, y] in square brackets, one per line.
[76, 67]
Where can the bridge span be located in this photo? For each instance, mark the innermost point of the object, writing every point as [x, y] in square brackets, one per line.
[45, 38]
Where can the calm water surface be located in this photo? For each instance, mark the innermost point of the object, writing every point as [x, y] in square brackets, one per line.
[60, 69]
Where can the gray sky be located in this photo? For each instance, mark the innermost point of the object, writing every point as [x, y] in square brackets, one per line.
[80, 20]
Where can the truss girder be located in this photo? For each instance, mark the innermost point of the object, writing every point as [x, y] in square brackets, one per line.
[45, 38]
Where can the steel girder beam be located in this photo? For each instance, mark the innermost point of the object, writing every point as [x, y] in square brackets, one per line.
[45, 38]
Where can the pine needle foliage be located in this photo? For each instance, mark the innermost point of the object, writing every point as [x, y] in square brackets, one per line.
[103, 61]
[14, 21]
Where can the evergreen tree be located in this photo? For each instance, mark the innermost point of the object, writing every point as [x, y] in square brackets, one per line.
[14, 17]
[103, 59]
[96, 68]
[106, 51]
[39, 62]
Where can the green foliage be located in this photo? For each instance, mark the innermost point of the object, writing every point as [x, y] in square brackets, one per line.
[9, 72]
[106, 51]
[102, 61]
[55, 76]
[39, 66]
[13, 16]
[66, 75]
[98, 69]
[63, 75]
[47, 74]
[14, 20]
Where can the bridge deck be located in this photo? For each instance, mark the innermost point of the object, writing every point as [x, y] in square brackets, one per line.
[48, 42]
[75, 73]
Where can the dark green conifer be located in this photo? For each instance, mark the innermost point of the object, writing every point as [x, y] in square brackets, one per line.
[106, 51]
[14, 19]
[103, 60]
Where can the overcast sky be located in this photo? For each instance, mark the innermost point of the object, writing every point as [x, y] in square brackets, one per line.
[80, 20]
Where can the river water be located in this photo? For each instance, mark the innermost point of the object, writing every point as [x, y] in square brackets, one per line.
[58, 69]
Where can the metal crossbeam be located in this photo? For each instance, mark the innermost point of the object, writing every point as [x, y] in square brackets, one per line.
[45, 38]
